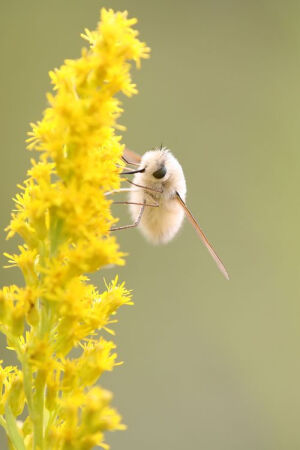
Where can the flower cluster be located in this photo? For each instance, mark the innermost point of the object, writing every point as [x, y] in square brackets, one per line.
[64, 218]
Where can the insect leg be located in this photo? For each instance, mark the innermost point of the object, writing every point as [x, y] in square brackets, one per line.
[121, 190]
[133, 225]
[160, 191]
[155, 205]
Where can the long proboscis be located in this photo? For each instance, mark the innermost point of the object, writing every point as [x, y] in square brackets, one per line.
[204, 239]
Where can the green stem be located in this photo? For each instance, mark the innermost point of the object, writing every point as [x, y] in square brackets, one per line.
[39, 409]
[40, 383]
[27, 380]
[43, 328]
[38, 399]
[55, 235]
[12, 430]
[3, 423]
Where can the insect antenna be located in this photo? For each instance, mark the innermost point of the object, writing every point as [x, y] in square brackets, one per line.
[128, 162]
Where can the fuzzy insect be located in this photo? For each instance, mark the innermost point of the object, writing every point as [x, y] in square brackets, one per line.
[157, 198]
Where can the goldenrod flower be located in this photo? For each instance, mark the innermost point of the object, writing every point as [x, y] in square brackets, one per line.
[64, 218]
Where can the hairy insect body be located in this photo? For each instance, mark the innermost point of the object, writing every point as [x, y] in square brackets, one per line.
[159, 225]
[163, 176]
[157, 200]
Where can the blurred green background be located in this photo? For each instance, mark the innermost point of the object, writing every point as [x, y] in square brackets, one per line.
[209, 364]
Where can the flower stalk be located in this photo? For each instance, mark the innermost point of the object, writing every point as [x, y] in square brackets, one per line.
[64, 218]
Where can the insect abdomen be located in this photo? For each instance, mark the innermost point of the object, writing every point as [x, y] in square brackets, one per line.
[158, 224]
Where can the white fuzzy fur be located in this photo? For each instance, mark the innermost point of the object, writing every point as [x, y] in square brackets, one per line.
[159, 225]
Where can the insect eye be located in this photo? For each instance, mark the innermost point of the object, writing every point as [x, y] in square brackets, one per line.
[160, 173]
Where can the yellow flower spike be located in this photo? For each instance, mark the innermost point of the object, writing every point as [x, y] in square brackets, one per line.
[25, 260]
[31, 296]
[16, 304]
[17, 320]
[16, 396]
[91, 440]
[27, 433]
[96, 358]
[70, 380]
[11, 389]
[97, 400]
[97, 415]
[63, 214]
